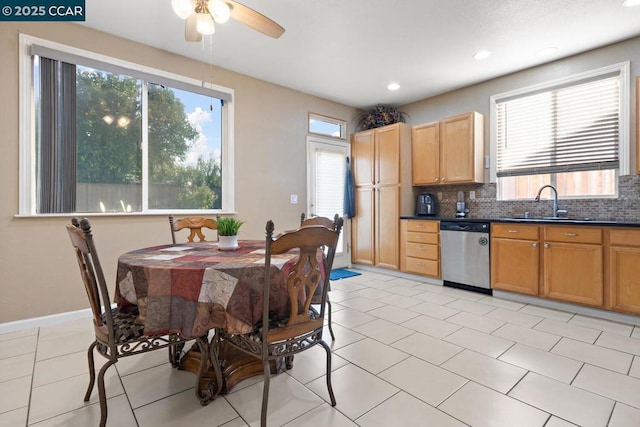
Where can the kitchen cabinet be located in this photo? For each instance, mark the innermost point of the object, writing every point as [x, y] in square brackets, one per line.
[624, 270]
[515, 256]
[383, 193]
[572, 266]
[420, 247]
[450, 151]
[425, 154]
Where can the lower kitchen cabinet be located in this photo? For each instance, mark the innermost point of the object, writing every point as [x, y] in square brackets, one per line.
[572, 266]
[515, 258]
[624, 270]
[420, 247]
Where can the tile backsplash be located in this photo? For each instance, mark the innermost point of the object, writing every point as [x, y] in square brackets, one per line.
[625, 208]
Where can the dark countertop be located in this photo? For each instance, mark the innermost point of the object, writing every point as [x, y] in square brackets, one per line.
[563, 221]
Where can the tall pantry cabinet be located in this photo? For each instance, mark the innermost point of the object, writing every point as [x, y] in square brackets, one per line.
[382, 176]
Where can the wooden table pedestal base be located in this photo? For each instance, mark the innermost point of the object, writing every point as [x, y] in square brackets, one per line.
[236, 366]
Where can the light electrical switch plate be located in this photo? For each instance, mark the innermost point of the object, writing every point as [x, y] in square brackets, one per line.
[472, 195]
[486, 162]
[439, 196]
[293, 199]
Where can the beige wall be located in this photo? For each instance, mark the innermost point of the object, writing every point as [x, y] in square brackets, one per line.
[476, 97]
[38, 274]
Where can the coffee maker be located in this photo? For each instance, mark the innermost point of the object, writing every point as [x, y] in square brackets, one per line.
[425, 205]
[461, 207]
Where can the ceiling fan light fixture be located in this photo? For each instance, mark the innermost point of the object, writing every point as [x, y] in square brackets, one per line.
[183, 8]
[205, 25]
[220, 10]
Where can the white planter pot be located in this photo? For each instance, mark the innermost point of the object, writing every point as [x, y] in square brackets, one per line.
[228, 243]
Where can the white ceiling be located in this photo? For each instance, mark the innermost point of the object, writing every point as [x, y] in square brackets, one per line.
[349, 50]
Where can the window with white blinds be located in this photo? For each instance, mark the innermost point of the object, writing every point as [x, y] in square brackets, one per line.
[575, 127]
[330, 174]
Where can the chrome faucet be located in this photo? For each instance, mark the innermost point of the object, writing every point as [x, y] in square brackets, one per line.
[556, 211]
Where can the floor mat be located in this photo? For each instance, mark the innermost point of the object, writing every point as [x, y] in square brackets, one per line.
[342, 273]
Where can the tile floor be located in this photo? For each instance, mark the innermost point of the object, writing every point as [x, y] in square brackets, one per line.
[406, 353]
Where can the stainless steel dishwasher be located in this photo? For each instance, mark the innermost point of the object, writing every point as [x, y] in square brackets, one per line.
[464, 247]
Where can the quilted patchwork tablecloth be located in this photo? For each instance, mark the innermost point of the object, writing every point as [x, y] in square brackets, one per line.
[192, 288]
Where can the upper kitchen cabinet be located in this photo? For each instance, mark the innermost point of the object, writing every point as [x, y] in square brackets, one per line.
[450, 151]
[383, 193]
[425, 154]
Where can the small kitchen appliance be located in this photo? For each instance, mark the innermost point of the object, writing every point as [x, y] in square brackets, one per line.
[425, 205]
[461, 206]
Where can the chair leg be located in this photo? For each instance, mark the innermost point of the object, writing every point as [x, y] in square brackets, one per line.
[265, 393]
[333, 337]
[92, 371]
[174, 354]
[102, 393]
[329, 387]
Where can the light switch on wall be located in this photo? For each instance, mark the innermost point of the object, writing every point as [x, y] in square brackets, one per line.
[472, 195]
[293, 199]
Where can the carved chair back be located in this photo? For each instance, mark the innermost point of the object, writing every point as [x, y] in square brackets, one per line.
[195, 224]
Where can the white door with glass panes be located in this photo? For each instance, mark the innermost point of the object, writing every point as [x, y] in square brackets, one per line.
[326, 170]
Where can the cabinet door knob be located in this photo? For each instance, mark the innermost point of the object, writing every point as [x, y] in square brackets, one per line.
[535, 245]
[420, 226]
[546, 246]
[443, 179]
[571, 234]
[513, 231]
[437, 179]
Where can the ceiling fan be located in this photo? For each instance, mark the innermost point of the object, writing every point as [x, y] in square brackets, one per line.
[201, 14]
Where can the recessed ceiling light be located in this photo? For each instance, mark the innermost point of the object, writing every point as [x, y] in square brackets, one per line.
[631, 3]
[547, 51]
[393, 86]
[483, 54]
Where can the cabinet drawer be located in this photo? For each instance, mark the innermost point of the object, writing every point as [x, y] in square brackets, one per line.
[421, 250]
[510, 231]
[422, 238]
[423, 266]
[624, 236]
[573, 234]
[423, 226]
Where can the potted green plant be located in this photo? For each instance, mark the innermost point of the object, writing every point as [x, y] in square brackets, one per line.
[228, 232]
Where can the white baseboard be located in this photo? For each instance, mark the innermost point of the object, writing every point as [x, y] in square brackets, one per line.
[38, 322]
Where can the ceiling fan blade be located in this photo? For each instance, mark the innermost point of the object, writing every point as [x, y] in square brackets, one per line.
[255, 20]
[191, 33]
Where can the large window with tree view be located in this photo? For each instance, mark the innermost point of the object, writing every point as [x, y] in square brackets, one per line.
[106, 141]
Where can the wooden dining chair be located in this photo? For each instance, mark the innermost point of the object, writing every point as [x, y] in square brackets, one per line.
[275, 338]
[195, 224]
[116, 332]
[325, 222]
